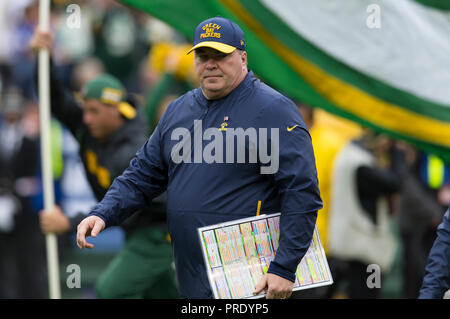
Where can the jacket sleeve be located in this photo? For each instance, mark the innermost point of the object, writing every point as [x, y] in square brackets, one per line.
[296, 180]
[437, 272]
[376, 181]
[144, 179]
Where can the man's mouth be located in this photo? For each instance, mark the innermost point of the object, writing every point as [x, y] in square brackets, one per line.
[212, 76]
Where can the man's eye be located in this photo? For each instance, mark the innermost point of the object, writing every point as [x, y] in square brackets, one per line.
[202, 57]
[216, 56]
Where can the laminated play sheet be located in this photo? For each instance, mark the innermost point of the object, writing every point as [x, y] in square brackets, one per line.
[238, 253]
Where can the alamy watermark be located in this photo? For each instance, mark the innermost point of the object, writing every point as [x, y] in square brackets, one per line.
[74, 279]
[373, 21]
[259, 149]
[374, 279]
[74, 19]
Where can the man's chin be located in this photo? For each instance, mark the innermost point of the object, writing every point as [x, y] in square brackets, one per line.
[213, 85]
[213, 94]
[94, 133]
[213, 88]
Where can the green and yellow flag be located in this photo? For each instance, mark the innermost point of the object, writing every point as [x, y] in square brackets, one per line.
[384, 64]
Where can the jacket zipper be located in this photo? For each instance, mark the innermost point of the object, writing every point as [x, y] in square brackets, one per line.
[207, 107]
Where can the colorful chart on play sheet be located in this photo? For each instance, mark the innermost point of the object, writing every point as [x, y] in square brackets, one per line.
[238, 253]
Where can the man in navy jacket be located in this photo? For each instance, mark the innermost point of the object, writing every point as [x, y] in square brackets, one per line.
[218, 150]
[437, 272]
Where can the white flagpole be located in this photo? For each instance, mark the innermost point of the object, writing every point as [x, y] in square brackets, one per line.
[46, 159]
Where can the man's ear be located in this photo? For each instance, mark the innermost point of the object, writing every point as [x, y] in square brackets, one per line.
[244, 58]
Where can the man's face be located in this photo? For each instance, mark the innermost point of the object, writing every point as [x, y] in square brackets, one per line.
[101, 119]
[219, 73]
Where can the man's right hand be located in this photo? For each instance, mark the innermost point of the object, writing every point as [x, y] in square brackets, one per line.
[90, 226]
[41, 40]
[54, 221]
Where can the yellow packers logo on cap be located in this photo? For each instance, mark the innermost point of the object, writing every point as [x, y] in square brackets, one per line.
[210, 31]
[111, 96]
[114, 96]
[220, 34]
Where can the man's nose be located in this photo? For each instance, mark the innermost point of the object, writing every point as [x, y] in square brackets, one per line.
[211, 63]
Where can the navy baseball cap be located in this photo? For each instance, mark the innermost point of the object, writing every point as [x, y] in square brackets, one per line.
[218, 33]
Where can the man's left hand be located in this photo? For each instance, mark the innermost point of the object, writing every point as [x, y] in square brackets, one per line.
[276, 287]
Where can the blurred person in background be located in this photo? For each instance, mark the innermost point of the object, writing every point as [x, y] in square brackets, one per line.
[367, 172]
[22, 246]
[86, 70]
[110, 128]
[436, 283]
[72, 25]
[172, 73]
[420, 212]
[328, 134]
[21, 61]
[121, 40]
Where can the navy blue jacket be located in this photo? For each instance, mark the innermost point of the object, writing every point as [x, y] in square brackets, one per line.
[437, 272]
[201, 193]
